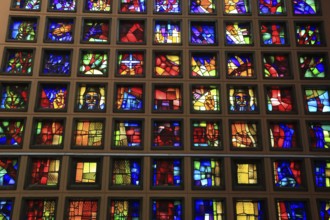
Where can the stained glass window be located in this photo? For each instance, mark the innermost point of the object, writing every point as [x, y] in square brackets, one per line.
[59, 30]
[242, 99]
[132, 6]
[48, 132]
[88, 133]
[238, 33]
[167, 64]
[208, 209]
[11, 132]
[250, 209]
[167, 134]
[287, 209]
[167, 32]
[276, 65]
[240, 65]
[52, 96]
[283, 135]
[131, 31]
[56, 62]
[129, 97]
[91, 97]
[95, 31]
[98, 5]
[321, 170]
[205, 98]
[244, 134]
[126, 172]
[127, 133]
[130, 63]
[86, 172]
[6, 208]
[82, 209]
[167, 98]
[207, 173]
[167, 172]
[273, 33]
[164, 6]
[8, 173]
[308, 34]
[206, 134]
[288, 174]
[43, 172]
[26, 5]
[239, 7]
[93, 63]
[204, 65]
[62, 5]
[316, 100]
[271, 7]
[39, 209]
[167, 209]
[280, 99]
[18, 61]
[23, 29]
[125, 209]
[319, 134]
[305, 7]
[203, 33]
[247, 173]
[14, 96]
[324, 209]
[202, 7]
[313, 66]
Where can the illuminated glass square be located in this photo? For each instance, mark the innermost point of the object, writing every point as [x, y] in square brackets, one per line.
[204, 65]
[203, 33]
[167, 32]
[291, 209]
[288, 174]
[132, 6]
[273, 33]
[97, 5]
[84, 208]
[206, 134]
[167, 208]
[283, 135]
[48, 133]
[306, 7]
[22, 29]
[39, 208]
[207, 173]
[242, 99]
[164, 6]
[129, 98]
[52, 97]
[238, 33]
[130, 63]
[18, 61]
[250, 209]
[126, 173]
[319, 134]
[316, 99]
[321, 171]
[131, 31]
[271, 7]
[88, 133]
[127, 133]
[167, 64]
[14, 96]
[167, 98]
[11, 132]
[280, 99]
[244, 135]
[29, 5]
[167, 134]
[91, 97]
[95, 31]
[240, 65]
[166, 173]
[205, 98]
[276, 66]
[56, 62]
[309, 34]
[202, 7]
[237, 7]
[8, 175]
[205, 208]
[59, 30]
[313, 66]
[127, 208]
[62, 5]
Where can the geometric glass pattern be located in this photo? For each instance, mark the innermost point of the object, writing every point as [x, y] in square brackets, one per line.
[321, 170]
[312, 66]
[48, 132]
[11, 132]
[82, 209]
[203, 65]
[206, 173]
[29, 5]
[324, 209]
[85, 172]
[167, 64]
[202, 7]
[316, 100]
[167, 98]
[60, 30]
[163, 6]
[98, 5]
[88, 133]
[131, 31]
[127, 133]
[319, 134]
[8, 173]
[90, 97]
[44, 172]
[39, 209]
[306, 7]
[247, 173]
[132, 6]
[242, 99]
[126, 172]
[167, 172]
[205, 98]
[288, 174]
[238, 33]
[125, 209]
[129, 98]
[271, 7]
[95, 31]
[56, 62]
[18, 61]
[167, 134]
[93, 63]
[276, 66]
[244, 134]
[130, 63]
[208, 209]
[273, 33]
[52, 96]
[171, 209]
[283, 135]
[167, 32]
[287, 209]
[14, 96]
[206, 134]
[280, 99]
[6, 208]
[240, 65]
[250, 209]
[308, 34]
[238, 7]
[203, 33]
[23, 29]
[62, 5]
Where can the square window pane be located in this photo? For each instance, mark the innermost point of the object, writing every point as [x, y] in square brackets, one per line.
[207, 173]
[205, 98]
[59, 30]
[132, 6]
[129, 98]
[11, 132]
[306, 7]
[97, 5]
[52, 97]
[290, 209]
[272, 7]
[8, 175]
[30, 5]
[56, 62]
[130, 63]
[245, 135]
[126, 173]
[91, 97]
[206, 134]
[240, 65]
[167, 134]
[237, 7]
[131, 31]
[62, 5]
[22, 29]
[242, 99]
[280, 99]
[88, 133]
[204, 65]
[167, 32]
[316, 99]
[18, 61]
[276, 66]
[288, 174]
[163, 6]
[273, 33]
[238, 33]
[14, 96]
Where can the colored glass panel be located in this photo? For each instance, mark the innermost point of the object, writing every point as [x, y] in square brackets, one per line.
[291, 210]
[129, 98]
[283, 135]
[56, 62]
[206, 173]
[206, 98]
[125, 209]
[23, 29]
[14, 96]
[247, 173]
[287, 174]
[312, 65]
[276, 66]
[271, 7]
[203, 33]
[167, 209]
[95, 31]
[40, 209]
[204, 65]
[53, 96]
[167, 172]
[98, 5]
[167, 32]
[237, 7]
[319, 134]
[164, 6]
[49, 132]
[280, 99]
[127, 133]
[167, 98]
[250, 209]
[91, 97]
[132, 6]
[27, 4]
[322, 174]
[308, 34]
[88, 133]
[44, 172]
[244, 134]
[93, 63]
[19, 62]
[131, 31]
[206, 134]
[130, 63]
[126, 172]
[273, 33]
[208, 209]
[82, 209]
[62, 5]
[8, 173]
[6, 209]
[238, 33]
[242, 99]
[305, 7]
[167, 64]
[317, 100]
[202, 7]
[86, 172]
[60, 31]
[324, 209]
[240, 65]
[11, 132]
[167, 134]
